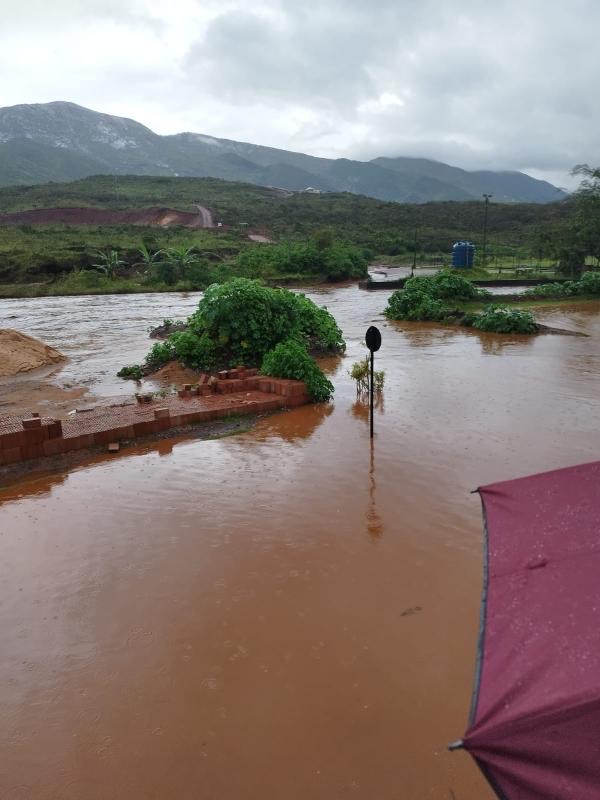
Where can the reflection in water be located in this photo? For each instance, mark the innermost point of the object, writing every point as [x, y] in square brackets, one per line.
[296, 425]
[360, 409]
[498, 345]
[374, 521]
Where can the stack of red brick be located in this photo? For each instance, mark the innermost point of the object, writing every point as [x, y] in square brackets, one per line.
[22, 439]
[242, 379]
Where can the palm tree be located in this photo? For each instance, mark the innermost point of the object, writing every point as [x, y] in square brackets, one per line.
[109, 261]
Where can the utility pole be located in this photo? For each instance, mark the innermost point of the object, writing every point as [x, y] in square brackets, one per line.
[414, 264]
[487, 198]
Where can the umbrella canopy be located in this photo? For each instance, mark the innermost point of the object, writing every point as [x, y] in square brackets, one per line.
[535, 719]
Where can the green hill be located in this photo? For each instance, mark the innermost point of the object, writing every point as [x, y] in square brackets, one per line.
[60, 141]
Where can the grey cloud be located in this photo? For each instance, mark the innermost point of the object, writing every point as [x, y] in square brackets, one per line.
[503, 85]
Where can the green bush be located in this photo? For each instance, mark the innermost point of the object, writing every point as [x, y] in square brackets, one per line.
[318, 327]
[445, 285]
[324, 257]
[161, 353]
[198, 352]
[290, 359]
[415, 304]
[134, 372]
[239, 322]
[502, 319]
[246, 319]
[589, 283]
[550, 290]
[426, 298]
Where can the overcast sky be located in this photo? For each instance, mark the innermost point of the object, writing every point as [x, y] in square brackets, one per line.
[505, 85]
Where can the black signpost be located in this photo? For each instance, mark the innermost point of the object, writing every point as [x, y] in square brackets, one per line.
[373, 341]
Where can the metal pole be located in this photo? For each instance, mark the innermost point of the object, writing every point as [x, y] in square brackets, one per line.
[371, 391]
[414, 264]
[485, 219]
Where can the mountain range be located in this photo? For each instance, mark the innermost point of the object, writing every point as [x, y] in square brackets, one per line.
[63, 141]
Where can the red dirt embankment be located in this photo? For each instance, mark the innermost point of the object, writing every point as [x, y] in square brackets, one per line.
[101, 216]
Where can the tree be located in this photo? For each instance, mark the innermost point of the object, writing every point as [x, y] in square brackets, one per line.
[587, 213]
[109, 262]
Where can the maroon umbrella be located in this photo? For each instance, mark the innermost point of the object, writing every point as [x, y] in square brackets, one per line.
[534, 728]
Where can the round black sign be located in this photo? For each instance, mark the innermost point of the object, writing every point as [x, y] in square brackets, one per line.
[373, 339]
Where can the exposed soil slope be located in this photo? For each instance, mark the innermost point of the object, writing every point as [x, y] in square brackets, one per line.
[102, 216]
[22, 353]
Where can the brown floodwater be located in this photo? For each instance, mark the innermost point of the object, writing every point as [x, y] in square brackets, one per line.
[287, 613]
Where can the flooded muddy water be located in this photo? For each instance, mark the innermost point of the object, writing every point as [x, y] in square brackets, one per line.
[282, 614]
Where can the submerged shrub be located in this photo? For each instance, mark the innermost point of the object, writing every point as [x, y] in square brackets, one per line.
[290, 359]
[134, 372]
[502, 319]
[246, 319]
[198, 352]
[361, 373]
[446, 285]
[161, 353]
[555, 289]
[415, 304]
[426, 298]
[242, 321]
[589, 283]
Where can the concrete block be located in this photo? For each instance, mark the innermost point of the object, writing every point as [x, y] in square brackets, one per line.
[161, 413]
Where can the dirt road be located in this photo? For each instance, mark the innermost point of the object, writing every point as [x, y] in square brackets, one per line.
[206, 217]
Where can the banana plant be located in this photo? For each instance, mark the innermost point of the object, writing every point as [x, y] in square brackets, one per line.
[108, 262]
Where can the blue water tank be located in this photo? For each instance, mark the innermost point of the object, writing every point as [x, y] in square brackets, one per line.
[463, 254]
